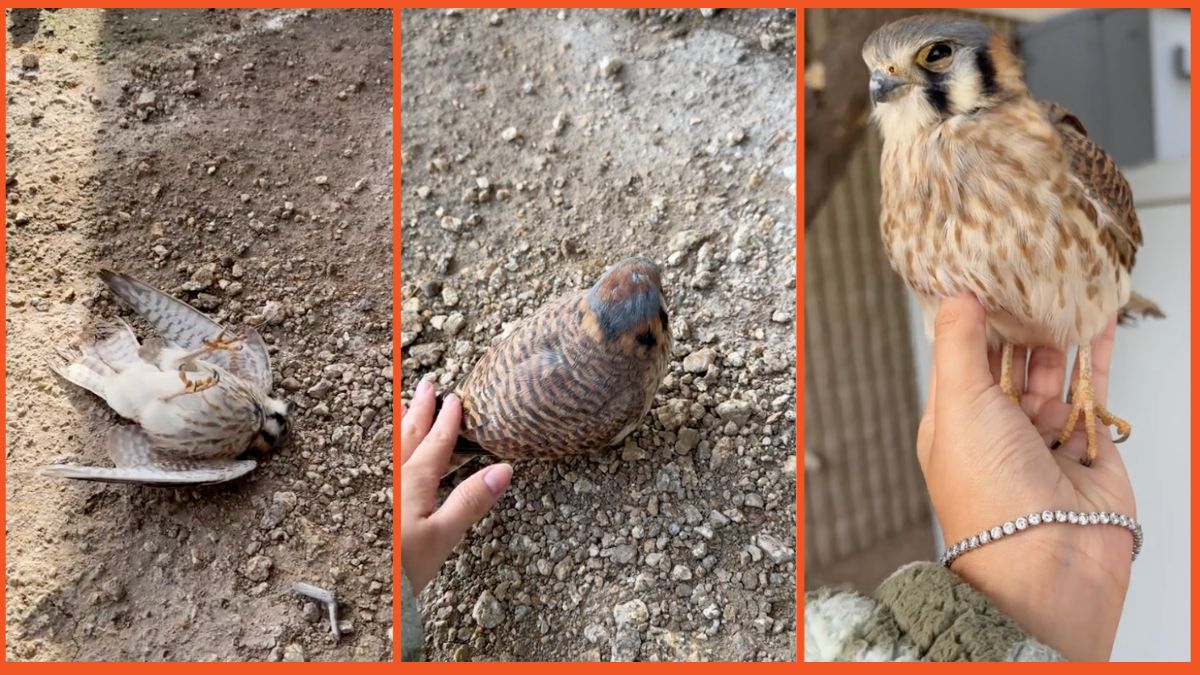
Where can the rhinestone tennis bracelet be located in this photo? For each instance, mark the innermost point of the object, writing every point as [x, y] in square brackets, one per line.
[1044, 518]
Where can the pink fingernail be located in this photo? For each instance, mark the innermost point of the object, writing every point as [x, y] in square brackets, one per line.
[423, 386]
[497, 478]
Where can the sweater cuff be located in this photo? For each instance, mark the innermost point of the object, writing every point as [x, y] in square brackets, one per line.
[946, 619]
[412, 634]
[923, 612]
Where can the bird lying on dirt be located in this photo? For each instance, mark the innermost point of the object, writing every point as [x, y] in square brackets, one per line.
[199, 398]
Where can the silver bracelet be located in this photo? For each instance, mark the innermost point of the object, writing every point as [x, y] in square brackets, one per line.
[1044, 518]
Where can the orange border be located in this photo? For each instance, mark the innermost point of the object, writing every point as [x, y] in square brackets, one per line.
[1194, 282]
[396, 279]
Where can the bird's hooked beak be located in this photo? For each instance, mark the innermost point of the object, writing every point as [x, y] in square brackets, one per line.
[884, 87]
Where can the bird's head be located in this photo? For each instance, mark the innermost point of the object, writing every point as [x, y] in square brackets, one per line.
[927, 69]
[274, 427]
[629, 307]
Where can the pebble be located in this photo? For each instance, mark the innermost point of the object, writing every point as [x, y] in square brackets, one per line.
[487, 611]
[775, 549]
[509, 134]
[29, 61]
[610, 66]
[257, 568]
[699, 361]
[735, 411]
[633, 612]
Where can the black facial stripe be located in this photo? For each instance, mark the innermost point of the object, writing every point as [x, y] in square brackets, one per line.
[936, 93]
[279, 418]
[987, 72]
[268, 437]
[647, 338]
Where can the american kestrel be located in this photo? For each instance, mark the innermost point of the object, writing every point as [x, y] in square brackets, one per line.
[576, 376]
[199, 397]
[990, 192]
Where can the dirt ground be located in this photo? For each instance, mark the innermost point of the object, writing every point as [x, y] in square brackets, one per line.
[240, 159]
[538, 147]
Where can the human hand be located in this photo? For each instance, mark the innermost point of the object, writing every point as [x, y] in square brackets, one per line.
[987, 461]
[429, 533]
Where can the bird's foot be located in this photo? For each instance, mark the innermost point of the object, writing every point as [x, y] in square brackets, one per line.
[1084, 404]
[225, 342]
[194, 386]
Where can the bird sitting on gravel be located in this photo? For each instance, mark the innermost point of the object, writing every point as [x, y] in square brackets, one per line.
[576, 376]
[200, 398]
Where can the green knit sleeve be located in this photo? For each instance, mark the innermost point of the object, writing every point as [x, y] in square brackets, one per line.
[412, 635]
[923, 612]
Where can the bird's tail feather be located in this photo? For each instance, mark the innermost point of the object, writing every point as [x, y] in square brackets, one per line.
[106, 348]
[1139, 306]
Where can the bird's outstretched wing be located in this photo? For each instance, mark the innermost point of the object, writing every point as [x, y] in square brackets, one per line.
[137, 462]
[1104, 183]
[185, 326]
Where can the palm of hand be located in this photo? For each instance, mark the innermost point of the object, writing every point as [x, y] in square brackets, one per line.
[1013, 471]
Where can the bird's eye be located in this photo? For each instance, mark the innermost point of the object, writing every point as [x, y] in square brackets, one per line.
[936, 54]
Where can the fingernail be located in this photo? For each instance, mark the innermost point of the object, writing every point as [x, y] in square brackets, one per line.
[497, 478]
[452, 397]
[424, 386]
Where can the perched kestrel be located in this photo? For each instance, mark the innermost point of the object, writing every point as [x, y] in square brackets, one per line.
[577, 375]
[990, 192]
[199, 397]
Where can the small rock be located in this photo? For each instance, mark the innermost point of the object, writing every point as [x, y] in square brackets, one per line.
[735, 136]
[29, 60]
[699, 361]
[623, 554]
[681, 573]
[633, 613]
[487, 611]
[610, 66]
[146, 99]
[687, 440]
[257, 568]
[775, 549]
[735, 411]
[509, 134]
[321, 180]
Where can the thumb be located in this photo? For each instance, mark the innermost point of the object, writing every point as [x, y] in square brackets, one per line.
[960, 351]
[471, 500]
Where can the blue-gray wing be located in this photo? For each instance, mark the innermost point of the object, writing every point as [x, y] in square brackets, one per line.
[137, 462]
[185, 326]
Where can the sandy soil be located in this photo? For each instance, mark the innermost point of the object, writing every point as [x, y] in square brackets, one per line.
[540, 146]
[240, 159]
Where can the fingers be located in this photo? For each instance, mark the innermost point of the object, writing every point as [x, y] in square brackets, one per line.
[1102, 352]
[414, 424]
[960, 351]
[1047, 368]
[471, 501]
[433, 454]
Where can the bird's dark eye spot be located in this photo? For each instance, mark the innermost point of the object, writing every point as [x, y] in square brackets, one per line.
[647, 338]
[937, 52]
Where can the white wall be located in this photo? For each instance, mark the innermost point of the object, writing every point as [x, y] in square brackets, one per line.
[1150, 388]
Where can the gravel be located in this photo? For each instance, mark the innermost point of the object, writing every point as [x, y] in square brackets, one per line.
[168, 160]
[532, 161]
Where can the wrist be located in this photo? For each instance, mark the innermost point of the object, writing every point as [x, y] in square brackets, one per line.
[1063, 585]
